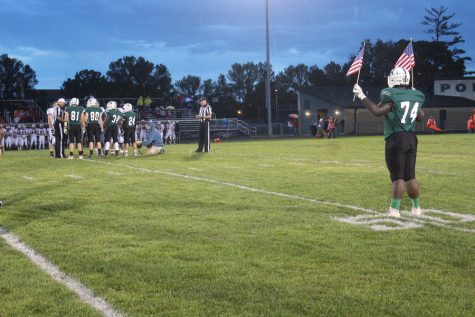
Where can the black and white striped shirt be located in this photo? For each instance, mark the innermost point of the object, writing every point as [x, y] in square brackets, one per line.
[205, 111]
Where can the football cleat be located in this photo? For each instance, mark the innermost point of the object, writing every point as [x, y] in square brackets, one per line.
[416, 211]
[393, 213]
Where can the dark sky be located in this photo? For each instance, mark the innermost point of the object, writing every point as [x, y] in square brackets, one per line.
[205, 37]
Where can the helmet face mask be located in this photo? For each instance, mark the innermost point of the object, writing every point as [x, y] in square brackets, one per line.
[111, 105]
[399, 77]
[92, 102]
[127, 107]
[74, 102]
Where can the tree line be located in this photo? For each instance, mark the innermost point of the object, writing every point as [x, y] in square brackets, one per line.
[242, 87]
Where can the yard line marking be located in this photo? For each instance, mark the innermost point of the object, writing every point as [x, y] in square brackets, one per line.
[28, 178]
[195, 169]
[84, 293]
[439, 222]
[74, 176]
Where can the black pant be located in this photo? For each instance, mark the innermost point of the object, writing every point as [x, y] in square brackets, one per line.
[204, 137]
[60, 139]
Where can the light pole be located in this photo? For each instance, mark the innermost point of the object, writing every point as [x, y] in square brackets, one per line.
[276, 107]
[268, 103]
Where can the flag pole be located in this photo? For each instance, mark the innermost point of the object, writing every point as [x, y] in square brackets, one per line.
[412, 68]
[359, 71]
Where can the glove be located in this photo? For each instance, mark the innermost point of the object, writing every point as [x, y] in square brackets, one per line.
[52, 132]
[358, 91]
[65, 130]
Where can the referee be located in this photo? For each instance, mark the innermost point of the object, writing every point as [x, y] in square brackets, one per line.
[204, 116]
[59, 129]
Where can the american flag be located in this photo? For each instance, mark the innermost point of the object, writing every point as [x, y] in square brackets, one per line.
[357, 63]
[407, 58]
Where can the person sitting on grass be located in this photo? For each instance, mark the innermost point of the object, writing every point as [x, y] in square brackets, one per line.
[153, 141]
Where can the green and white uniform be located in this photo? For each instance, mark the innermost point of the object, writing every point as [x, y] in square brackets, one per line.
[407, 104]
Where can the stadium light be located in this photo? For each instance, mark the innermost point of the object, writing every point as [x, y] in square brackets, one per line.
[268, 102]
[337, 112]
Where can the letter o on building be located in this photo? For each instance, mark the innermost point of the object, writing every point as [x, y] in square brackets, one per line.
[460, 87]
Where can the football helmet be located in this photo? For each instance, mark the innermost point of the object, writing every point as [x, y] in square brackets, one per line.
[127, 107]
[74, 102]
[111, 105]
[399, 76]
[92, 102]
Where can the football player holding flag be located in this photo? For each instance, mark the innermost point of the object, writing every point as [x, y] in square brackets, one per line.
[401, 107]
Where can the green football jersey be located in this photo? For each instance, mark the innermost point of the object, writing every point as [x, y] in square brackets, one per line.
[129, 119]
[407, 104]
[74, 114]
[113, 117]
[93, 114]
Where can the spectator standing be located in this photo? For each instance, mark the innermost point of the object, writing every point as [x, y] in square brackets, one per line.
[147, 103]
[331, 128]
[471, 125]
[320, 126]
[140, 102]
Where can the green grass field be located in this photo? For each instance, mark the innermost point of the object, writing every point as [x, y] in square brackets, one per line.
[247, 230]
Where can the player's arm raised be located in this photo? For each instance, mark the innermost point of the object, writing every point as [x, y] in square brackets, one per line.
[376, 109]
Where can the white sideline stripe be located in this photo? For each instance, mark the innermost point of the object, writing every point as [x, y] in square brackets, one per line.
[251, 189]
[28, 178]
[85, 294]
[195, 169]
[406, 215]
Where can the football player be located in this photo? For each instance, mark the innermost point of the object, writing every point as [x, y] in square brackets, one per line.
[41, 137]
[92, 119]
[72, 126]
[9, 138]
[33, 137]
[129, 125]
[401, 107]
[51, 112]
[113, 119]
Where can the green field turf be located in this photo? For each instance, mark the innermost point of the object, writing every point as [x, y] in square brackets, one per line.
[249, 229]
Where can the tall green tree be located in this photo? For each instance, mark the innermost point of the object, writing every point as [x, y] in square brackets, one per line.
[85, 83]
[131, 77]
[17, 80]
[188, 85]
[440, 25]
